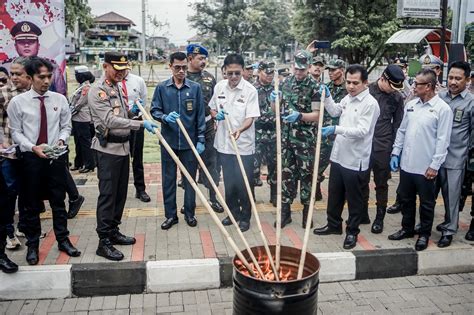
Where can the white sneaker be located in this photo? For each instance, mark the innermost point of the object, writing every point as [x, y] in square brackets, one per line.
[13, 243]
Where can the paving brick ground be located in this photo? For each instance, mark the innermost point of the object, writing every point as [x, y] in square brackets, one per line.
[444, 294]
[182, 242]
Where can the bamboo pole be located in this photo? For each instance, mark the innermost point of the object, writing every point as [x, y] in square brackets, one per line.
[201, 196]
[278, 170]
[252, 202]
[313, 187]
[220, 197]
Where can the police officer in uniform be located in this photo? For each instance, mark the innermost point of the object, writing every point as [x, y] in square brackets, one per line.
[300, 102]
[112, 126]
[337, 88]
[265, 137]
[197, 56]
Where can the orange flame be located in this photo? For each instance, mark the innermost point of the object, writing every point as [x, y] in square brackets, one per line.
[264, 263]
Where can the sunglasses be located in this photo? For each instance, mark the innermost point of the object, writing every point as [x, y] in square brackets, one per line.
[420, 83]
[233, 73]
[179, 68]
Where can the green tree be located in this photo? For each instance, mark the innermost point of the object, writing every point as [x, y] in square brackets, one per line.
[77, 10]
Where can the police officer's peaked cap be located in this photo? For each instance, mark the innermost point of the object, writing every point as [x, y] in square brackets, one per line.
[336, 64]
[248, 65]
[268, 67]
[430, 61]
[318, 60]
[394, 76]
[118, 60]
[196, 49]
[25, 30]
[303, 59]
[81, 69]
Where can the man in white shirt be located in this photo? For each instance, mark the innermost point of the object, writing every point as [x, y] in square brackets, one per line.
[37, 118]
[237, 100]
[350, 155]
[422, 141]
[133, 89]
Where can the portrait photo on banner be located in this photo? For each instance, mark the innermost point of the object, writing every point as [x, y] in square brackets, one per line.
[34, 28]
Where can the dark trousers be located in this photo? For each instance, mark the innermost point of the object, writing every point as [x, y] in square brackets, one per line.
[113, 173]
[380, 166]
[82, 138]
[345, 183]
[137, 139]
[6, 214]
[168, 171]
[71, 188]
[236, 195]
[11, 170]
[209, 156]
[410, 186]
[51, 176]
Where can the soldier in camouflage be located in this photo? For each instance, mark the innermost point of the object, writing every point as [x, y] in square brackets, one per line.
[300, 103]
[265, 138]
[337, 87]
[197, 56]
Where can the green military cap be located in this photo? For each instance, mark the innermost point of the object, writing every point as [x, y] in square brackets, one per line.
[318, 60]
[268, 67]
[118, 60]
[303, 59]
[25, 30]
[336, 64]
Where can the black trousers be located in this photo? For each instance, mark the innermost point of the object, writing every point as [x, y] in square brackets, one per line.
[137, 140]
[380, 166]
[71, 188]
[168, 171]
[82, 138]
[345, 183]
[6, 214]
[236, 195]
[51, 176]
[412, 185]
[113, 174]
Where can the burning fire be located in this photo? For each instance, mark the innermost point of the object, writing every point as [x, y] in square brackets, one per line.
[285, 274]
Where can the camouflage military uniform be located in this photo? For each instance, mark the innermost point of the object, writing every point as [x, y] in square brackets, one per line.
[209, 156]
[265, 138]
[338, 92]
[298, 139]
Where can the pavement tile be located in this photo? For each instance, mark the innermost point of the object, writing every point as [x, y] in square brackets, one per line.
[15, 307]
[109, 302]
[42, 307]
[69, 305]
[123, 301]
[83, 304]
[162, 299]
[29, 307]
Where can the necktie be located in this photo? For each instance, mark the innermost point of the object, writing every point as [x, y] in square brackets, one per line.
[124, 91]
[43, 131]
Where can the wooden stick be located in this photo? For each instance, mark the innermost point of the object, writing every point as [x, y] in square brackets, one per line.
[313, 187]
[278, 170]
[201, 196]
[220, 197]
[252, 202]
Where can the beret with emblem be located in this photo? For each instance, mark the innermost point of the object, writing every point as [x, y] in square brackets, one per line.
[196, 49]
[336, 64]
[303, 59]
[394, 75]
[430, 61]
[266, 66]
[25, 30]
[118, 60]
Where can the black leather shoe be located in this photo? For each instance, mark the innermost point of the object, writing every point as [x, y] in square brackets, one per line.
[216, 207]
[284, 222]
[108, 251]
[422, 243]
[469, 235]
[400, 235]
[67, 247]
[169, 223]
[120, 239]
[327, 230]
[6, 265]
[244, 226]
[417, 229]
[75, 206]
[86, 170]
[395, 208]
[181, 210]
[377, 227]
[75, 168]
[143, 196]
[192, 222]
[226, 221]
[445, 241]
[350, 241]
[32, 255]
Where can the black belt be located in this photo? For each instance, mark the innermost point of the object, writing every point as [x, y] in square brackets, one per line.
[117, 139]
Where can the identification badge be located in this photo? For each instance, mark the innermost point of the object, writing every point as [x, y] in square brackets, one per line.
[189, 105]
[410, 110]
[458, 115]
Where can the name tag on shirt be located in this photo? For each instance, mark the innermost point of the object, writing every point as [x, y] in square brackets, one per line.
[458, 115]
[189, 105]
[410, 110]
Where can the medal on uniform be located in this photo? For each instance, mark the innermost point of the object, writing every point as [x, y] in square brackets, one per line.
[458, 115]
[189, 105]
[102, 95]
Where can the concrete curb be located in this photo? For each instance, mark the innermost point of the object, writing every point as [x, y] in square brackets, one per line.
[61, 281]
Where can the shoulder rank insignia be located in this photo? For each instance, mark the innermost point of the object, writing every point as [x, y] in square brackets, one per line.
[85, 90]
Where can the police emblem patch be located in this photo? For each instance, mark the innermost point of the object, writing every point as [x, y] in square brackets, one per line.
[25, 28]
[102, 95]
